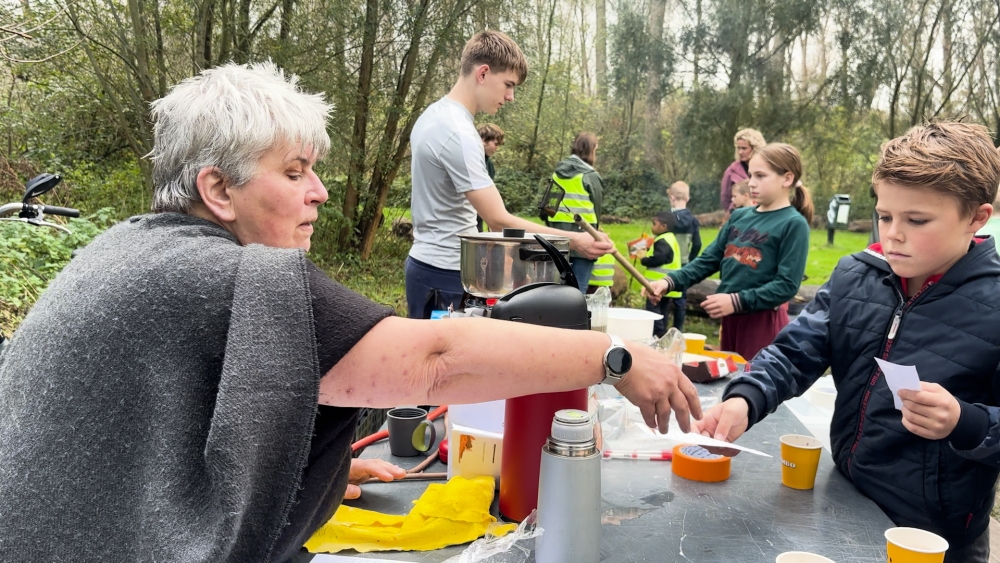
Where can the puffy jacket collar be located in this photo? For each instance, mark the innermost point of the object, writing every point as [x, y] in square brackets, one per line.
[980, 261]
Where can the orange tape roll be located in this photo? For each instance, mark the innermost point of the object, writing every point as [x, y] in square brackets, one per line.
[698, 464]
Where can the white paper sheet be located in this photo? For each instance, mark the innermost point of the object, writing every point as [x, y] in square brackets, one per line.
[328, 558]
[899, 377]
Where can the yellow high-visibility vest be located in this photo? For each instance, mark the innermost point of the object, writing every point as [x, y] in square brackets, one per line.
[603, 272]
[660, 272]
[576, 201]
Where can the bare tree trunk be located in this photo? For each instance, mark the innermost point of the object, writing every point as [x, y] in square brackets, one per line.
[286, 20]
[697, 45]
[141, 53]
[371, 214]
[948, 79]
[356, 167]
[533, 145]
[601, 48]
[584, 61]
[803, 86]
[920, 101]
[390, 165]
[654, 30]
[161, 63]
[823, 62]
[226, 41]
[140, 144]
[203, 36]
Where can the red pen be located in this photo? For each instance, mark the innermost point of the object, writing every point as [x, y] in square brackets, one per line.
[651, 455]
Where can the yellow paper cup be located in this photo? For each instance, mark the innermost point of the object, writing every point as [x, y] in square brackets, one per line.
[694, 343]
[799, 460]
[910, 545]
[802, 557]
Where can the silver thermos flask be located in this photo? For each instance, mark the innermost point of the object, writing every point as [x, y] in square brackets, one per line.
[569, 492]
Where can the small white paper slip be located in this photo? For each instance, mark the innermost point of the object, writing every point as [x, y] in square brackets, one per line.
[899, 377]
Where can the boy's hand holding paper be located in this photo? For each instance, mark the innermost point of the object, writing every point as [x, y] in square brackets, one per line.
[929, 410]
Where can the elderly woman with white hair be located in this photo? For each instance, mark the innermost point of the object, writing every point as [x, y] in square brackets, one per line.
[746, 142]
[187, 388]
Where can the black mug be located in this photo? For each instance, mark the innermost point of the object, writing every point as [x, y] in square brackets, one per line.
[408, 431]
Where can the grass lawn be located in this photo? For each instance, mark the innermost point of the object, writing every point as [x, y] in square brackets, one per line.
[822, 258]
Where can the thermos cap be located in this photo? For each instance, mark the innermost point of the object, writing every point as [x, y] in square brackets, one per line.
[572, 426]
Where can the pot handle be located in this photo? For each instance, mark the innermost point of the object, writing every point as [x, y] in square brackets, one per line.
[533, 255]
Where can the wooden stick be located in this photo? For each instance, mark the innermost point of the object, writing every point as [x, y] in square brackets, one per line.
[414, 477]
[614, 252]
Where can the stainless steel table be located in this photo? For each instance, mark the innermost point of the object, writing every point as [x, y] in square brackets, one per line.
[651, 515]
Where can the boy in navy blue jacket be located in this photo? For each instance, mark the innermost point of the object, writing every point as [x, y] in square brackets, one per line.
[928, 295]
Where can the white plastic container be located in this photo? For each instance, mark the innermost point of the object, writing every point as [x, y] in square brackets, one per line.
[631, 324]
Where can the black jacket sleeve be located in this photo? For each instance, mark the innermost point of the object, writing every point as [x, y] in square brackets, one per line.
[662, 254]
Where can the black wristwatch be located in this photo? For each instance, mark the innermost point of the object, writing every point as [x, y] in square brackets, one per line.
[617, 361]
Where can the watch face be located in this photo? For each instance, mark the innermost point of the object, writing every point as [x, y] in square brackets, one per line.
[619, 361]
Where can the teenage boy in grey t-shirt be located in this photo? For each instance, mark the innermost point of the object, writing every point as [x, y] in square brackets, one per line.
[450, 182]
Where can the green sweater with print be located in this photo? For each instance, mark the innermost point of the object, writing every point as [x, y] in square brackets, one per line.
[760, 255]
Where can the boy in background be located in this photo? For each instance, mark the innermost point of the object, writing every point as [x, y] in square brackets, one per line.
[664, 255]
[492, 137]
[741, 198]
[687, 230]
[927, 295]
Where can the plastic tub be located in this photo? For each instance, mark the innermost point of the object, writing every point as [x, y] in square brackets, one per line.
[631, 324]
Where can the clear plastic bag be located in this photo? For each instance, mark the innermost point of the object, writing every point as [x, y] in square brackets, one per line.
[515, 547]
[622, 426]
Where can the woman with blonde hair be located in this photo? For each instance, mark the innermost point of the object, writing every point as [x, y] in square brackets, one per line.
[746, 141]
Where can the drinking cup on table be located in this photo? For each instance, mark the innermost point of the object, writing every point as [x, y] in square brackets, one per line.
[911, 545]
[408, 431]
[799, 460]
[801, 557]
[694, 343]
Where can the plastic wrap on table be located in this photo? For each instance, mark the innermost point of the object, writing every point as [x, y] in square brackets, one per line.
[515, 547]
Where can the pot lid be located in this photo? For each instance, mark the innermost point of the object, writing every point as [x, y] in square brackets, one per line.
[525, 238]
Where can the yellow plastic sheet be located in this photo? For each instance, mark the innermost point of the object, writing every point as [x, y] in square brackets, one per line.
[446, 514]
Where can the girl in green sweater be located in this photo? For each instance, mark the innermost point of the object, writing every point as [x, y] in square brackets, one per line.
[760, 253]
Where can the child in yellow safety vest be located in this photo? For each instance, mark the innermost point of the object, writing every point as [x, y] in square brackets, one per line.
[662, 257]
[603, 274]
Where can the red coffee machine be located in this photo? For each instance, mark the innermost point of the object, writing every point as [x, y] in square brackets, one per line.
[528, 419]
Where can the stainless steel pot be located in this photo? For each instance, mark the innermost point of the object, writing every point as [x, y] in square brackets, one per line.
[493, 265]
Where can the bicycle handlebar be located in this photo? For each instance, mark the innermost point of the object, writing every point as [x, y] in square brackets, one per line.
[64, 211]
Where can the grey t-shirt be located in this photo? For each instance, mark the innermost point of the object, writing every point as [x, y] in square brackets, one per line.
[447, 161]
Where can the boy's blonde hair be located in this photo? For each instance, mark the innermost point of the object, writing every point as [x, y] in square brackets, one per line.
[753, 137]
[495, 49]
[957, 159]
[742, 187]
[679, 190]
[490, 132]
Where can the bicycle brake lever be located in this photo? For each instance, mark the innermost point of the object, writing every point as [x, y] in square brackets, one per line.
[55, 226]
[38, 223]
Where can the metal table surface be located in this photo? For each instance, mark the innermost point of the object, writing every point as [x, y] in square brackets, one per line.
[651, 515]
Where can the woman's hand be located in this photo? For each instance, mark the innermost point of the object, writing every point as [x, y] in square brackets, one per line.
[930, 413]
[719, 305]
[656, 385]
[364, 469]
[726, 421]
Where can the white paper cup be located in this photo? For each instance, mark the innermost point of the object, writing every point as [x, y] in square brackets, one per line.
[802, 557]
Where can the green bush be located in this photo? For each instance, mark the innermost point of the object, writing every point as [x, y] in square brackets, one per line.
[34, 255]
[521, 191]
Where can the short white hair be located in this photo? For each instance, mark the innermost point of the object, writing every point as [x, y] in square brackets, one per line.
[228, 117]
